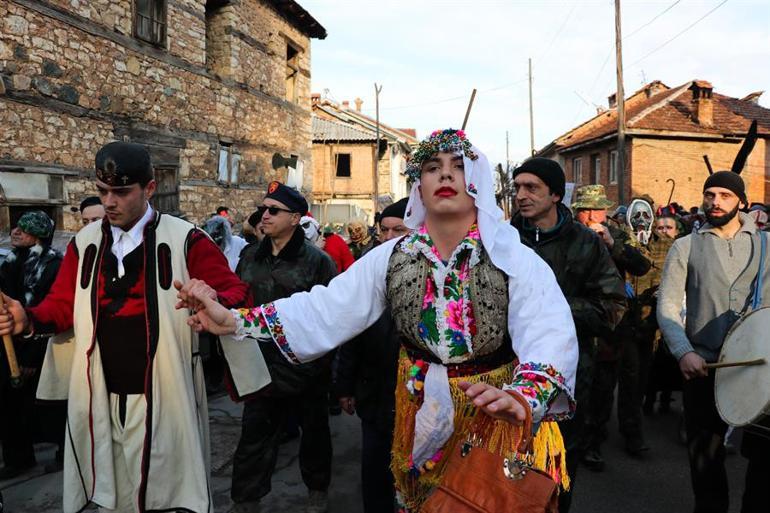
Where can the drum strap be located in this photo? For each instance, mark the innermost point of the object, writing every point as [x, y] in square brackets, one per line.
[756, 301]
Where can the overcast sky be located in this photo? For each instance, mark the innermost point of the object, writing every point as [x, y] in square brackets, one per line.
[429, 54]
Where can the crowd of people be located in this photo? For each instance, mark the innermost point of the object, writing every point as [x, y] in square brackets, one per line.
[443, 327]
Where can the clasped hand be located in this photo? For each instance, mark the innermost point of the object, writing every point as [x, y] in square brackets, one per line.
[208, 314]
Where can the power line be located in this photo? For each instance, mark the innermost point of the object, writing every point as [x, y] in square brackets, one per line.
[455, 98]
[558, 32]
[664, 11]
[679, 34]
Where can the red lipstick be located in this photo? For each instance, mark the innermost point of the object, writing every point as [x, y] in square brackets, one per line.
[445, 192]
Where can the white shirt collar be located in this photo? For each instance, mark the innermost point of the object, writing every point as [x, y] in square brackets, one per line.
[136, 232]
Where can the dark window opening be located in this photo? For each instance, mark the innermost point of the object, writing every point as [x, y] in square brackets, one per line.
[292, 70]
[150, 21]
[166, 197]
[343, 165]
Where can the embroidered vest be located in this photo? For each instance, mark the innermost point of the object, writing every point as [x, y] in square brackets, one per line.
[405, 290]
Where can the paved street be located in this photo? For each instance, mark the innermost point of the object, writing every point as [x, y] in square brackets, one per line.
[657, 484]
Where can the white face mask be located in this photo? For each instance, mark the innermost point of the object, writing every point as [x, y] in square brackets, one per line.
[311, 228]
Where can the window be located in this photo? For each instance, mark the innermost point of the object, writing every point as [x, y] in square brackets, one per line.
[597, 165]
[166, 197]
[613, 167]
[229, 164]
[577, 170]
[343, 165]
[292, 70]
[150, 21]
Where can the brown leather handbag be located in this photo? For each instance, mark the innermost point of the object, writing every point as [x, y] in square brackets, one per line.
[478, 481]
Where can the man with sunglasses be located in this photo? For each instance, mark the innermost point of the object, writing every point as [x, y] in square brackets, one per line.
[284, 262]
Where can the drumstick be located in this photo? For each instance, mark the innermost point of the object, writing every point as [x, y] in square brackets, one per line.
[10, 353]
[745, 363]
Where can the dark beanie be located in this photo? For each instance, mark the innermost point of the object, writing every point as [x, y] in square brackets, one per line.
[120, 163]
[288, 196]
[728, 180]
[397, 209]
[549, 171]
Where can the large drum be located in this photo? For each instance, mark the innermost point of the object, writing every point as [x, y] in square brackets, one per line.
[743, 392]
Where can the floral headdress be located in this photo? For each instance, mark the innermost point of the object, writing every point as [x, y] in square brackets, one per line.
[447, 141]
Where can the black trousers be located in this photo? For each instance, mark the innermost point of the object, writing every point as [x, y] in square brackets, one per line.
[261, 430]
[632, 380]
[706, 451]
[376, 478]
[573, 430]
[18, 423]
[605, 377]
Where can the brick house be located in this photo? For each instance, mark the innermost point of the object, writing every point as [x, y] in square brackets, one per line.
[668, 132]
[213, 88]
[344, 147]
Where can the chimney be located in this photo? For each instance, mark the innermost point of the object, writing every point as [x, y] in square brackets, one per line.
[359, 102]
[346, 105]
[704, 105]
[315, 98]
[612, 100]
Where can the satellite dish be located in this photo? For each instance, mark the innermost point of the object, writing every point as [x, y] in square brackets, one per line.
[279, 161]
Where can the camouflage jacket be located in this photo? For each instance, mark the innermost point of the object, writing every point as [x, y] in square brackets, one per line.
[584, 270]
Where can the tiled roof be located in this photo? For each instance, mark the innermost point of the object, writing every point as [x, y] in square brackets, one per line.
[299, 17]
[328, 130]
[671, 110]
[365, 122]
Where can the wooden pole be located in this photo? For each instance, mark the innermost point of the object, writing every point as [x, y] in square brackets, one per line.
[10, 353]
[531, 115]
[621, 107]
[470, 106]
[376, 195]
[743, 363]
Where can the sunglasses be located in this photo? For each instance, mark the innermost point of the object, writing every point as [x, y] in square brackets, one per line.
[273, 210]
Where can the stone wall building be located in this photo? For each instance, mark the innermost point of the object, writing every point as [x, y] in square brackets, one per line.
[214, 88]
[344, 149]
[668, 132]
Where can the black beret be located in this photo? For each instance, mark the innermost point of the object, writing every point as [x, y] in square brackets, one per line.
[549, 171]
[397, 209]
[120, 163]
[289, 196]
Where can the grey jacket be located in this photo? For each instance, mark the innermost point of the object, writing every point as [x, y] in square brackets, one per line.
[719, 279]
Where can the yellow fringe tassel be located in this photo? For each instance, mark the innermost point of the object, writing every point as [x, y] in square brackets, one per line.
[499, 437]
[550, 454]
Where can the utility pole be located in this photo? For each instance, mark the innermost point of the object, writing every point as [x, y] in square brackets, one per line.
[376, 196]
[507, 158]
[620, 102]
[531, 115]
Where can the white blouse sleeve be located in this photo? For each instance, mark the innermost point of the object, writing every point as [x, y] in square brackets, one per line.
[307, 325]
[544, 339]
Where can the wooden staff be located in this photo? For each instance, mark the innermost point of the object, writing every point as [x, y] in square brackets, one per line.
[10, 353]
[744, 363]
[470, 106]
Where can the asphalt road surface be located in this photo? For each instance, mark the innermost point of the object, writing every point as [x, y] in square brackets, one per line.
[659, 483]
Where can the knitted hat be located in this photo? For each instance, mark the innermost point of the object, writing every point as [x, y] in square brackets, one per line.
[549, 171]
[728, 180]
[36, 223]
[288, 196]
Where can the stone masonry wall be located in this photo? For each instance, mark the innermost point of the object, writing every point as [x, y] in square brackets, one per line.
[74, 78]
